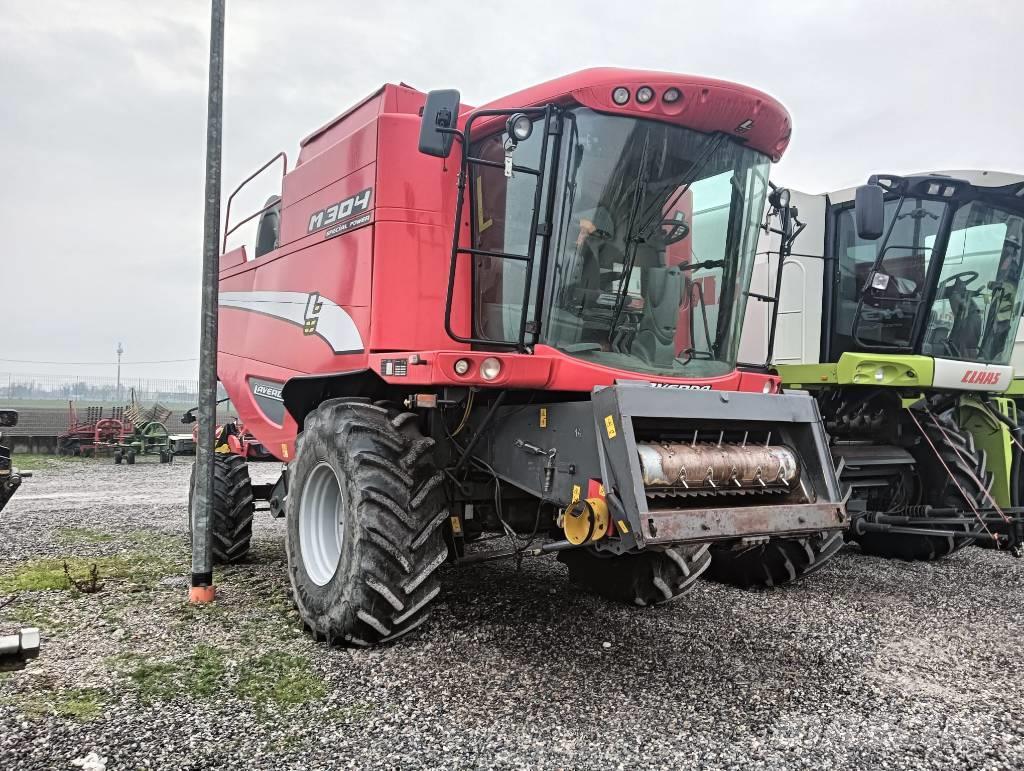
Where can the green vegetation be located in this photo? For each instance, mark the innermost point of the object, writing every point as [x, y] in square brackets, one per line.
[71, 535]
[200, 674]
[76, 703]
[31, 616]
[42, 574]
[280, 677]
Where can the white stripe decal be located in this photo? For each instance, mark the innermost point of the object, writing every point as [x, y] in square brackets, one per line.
[315, 314]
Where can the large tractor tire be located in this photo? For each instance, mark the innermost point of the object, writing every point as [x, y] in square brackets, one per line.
[777, 562]
[364, 513]
[233, 507]
[648, 578]
[940, 489]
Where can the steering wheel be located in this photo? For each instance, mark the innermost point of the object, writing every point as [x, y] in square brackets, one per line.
[971, 275]
[677, 230]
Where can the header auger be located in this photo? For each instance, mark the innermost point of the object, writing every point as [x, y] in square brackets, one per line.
[520, 320]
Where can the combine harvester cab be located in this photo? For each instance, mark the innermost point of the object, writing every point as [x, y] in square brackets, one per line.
[909, 352]
[519, 320]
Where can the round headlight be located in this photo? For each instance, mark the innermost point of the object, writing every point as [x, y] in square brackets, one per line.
[461, 366]
[671, 95]
[520, 127]
[620, 95]
[767, 387]
[644, 94]
[490, 368]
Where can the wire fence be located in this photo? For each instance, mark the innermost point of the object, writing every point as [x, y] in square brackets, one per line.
[98, 390]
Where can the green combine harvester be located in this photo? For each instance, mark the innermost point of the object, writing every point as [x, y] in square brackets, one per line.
[908, 351]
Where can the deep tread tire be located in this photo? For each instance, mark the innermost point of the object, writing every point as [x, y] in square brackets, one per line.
[648, 578]
[967, 466]
[233, 507]
[392, 509]
[780, 561]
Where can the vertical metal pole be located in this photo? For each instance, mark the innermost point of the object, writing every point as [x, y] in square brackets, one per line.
[202, 589]
[120, 350]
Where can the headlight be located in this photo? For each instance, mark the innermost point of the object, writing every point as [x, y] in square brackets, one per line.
[520, 127]
[767, 387]
[461, 366]
[671, 95]
[490, 368]
[620, 95]
[879, 374]
[644, 94]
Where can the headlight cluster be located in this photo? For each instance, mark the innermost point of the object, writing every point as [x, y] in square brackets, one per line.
[645, 95]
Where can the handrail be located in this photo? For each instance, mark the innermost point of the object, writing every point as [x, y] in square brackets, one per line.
[227, 214]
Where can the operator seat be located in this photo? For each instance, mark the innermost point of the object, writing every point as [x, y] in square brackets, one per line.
[268, 232]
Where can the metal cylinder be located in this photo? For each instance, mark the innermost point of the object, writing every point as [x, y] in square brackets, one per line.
[705, 466]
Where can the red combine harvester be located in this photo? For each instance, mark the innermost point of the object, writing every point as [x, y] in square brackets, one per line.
[522, 320]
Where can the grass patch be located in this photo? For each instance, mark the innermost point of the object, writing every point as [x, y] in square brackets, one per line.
[31, 616]
[72, 535]
[42, 574]
[279, 677]
[81, 704]
[201, 674]
[273, 678]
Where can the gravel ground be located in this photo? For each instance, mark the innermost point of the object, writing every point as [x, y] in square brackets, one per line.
[868, 664]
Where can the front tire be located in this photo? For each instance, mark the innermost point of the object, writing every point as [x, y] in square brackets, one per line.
[938, 488]
[780, 561]
[233, 507]
[364, 515]
[647, 578]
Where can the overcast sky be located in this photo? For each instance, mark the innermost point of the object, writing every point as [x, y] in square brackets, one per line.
[103, 107]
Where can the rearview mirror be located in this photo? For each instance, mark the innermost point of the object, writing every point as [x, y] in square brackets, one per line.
[869, 212]
[440, 112]
[8, 418]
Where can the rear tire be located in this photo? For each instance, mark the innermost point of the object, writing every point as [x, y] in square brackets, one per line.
[648, 578]
[780, 561]
[233, 507]
[364, 513]
[938, 488]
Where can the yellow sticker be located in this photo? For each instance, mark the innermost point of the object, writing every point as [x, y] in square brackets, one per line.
[609, 425]
[456, 526]
[600, 490]
[284, 450]
[543, 417]
[622, 526]
[575, 493]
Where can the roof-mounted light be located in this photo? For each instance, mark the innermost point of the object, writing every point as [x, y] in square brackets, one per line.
[671, 95]
[520, 127]
[644, 94]
[620, 95]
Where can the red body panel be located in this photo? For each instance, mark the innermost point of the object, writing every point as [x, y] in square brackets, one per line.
[356, 280]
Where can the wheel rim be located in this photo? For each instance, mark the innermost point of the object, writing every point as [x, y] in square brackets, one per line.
[321, 529]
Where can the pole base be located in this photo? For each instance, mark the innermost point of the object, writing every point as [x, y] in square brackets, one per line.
[202, 595]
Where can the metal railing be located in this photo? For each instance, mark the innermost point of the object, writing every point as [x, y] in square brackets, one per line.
[101, 390]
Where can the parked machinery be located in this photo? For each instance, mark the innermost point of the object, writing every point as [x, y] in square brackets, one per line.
[907, 352]
[10, 477]
[125, 433]
[93, 430]
[525, 327]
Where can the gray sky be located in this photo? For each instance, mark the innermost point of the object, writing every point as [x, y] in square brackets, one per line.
[103, 104]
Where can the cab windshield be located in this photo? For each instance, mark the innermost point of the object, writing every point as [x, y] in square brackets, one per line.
[976, 305]
[654, 232]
